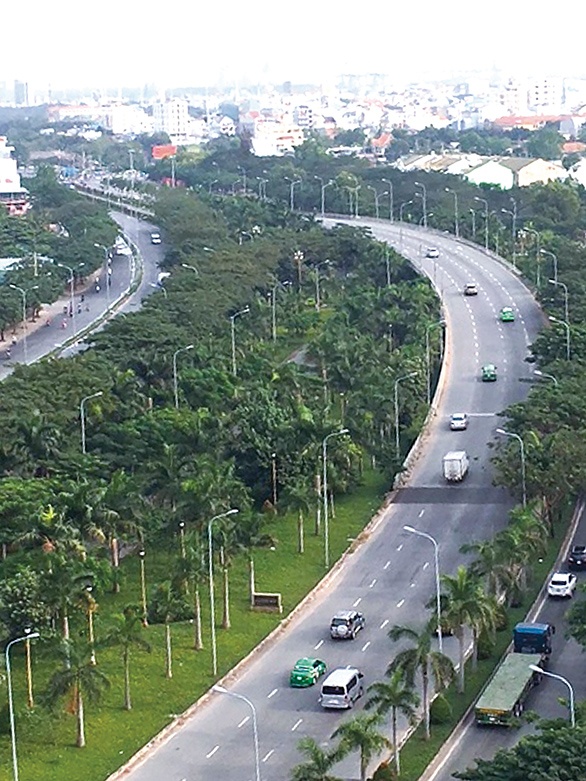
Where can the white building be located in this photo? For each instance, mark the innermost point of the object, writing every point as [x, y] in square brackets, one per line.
[13, 196]
[128, 120]
[172, 117]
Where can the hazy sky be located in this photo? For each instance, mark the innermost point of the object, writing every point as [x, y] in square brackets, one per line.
[112, 42]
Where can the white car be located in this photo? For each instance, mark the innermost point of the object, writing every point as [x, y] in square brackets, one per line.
[562, 584]
[432, 252]
[459, 421]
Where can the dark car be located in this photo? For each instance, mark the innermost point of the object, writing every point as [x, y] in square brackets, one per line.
[577, 557]
[346, 624]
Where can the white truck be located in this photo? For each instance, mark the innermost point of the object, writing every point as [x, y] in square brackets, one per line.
[455, 465]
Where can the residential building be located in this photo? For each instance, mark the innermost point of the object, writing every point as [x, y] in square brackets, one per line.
[13, 196]
[172, 117]
[508, 172]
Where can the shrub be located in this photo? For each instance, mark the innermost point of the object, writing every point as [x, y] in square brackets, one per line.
[441, 710]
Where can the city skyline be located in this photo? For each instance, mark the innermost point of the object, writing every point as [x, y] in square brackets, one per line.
[258, 43]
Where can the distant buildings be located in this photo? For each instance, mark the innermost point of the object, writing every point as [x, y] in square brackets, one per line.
[172, 117]
[13, 197]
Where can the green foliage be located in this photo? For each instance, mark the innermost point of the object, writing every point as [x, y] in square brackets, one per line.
[440, 711]
[22, 604]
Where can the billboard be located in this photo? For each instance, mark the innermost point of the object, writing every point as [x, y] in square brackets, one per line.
[162, 151]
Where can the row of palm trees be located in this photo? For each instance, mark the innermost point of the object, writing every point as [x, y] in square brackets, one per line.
[473, 605]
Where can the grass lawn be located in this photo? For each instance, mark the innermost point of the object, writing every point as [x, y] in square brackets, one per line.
[417, 752]
[46, 745]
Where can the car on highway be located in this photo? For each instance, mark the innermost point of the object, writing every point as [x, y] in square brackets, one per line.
[459, 421]
[470, 289]
[562, 584]
[432, 252]
[346, 624]
[488, 373]
[507, 315]
[577, 557]
[306, 672]
[155, 237]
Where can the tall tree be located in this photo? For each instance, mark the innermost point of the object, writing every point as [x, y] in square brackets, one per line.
[318, 765]
[126, 633]
[361, 733]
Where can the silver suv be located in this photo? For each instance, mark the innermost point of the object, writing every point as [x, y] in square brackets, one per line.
[346, 624]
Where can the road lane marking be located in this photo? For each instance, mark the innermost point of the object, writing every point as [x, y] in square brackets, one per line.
[358, 601]
[421, 513]
[401, 603]
[384, 623]
[426, 565]
[412, 585]
[297, 723]
[400, 547]
[387, 565]
[243, 722]
[212, 752]
[365, 646]
[272, 694]
[372, 584]
[268, 755]
[318, 646]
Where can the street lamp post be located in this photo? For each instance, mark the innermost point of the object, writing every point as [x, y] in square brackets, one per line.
[293, 184]
[537, 255]
[175, 383]
[566, 325]
[376, 197]
[285, 285]
[397, 381]
[29, 636]
[71, 291]
[565, 289]
[513, 234]
[325, 262]
[82, 416]
[546, 376]
[356, 191]
[274, 478]
[456, 217]
[438, 600]
[211, 185]
[106, 270]
[473, 213]
[143, 593]
[324, 445]
[424, 199]
[554, 257]
[222, 690]
[565, 681]
[211, 577]
[23, 293]
[240, 168]
[522, 451]
[262, 188]
[388, 265]
[514, 229]
[233, 317]
[485, 202]
[401, 207]
[391, 198]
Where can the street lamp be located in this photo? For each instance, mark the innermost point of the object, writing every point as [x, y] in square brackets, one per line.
[391, 198]
[28, 636]
[211, 576]
[262, 188]
[377, 195]
[400, 379]
[513, 229]
[401, 207]
[274, 477]
[456, 217]
[323, 192]
[424, 199]
[23, 293]
[485, 202]
[428, 356]
[522, 451]
[143, 594]
[473, 213]
[565, 681]
[240, 168]
[565, 289]
[106, 270]
[537, 255]
[434, 542]
[325, 262]
[82, 416]
[71, 291]
[567, 327]
[546, 376]
[554, 257]
[324, 446]
[222, 690]
[175, 383]
[293, 184]
[285, 285]
[211, 185]
[233, 317]
[388, 265]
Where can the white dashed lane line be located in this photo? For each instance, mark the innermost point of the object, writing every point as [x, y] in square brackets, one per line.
[384, 623]
[272, 694]
[357, 602]
[426, 565]
[268, 755]
[401, 603]
[212, 752]
[318, 646]
[387, 565]
[400, 548]
[365, 646]
[243, 722]
[297, 723]
[373, 583]
[420, 513]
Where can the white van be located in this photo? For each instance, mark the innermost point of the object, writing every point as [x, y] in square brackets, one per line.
[341, 688]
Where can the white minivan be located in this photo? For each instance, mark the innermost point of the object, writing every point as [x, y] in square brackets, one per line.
[341, 688]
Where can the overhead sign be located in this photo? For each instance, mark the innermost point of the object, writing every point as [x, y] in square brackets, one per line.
[162, 151]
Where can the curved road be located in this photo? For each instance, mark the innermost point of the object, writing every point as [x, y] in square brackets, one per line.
[391, 576]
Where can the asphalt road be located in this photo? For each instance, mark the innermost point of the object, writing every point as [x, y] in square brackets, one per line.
[391, 576]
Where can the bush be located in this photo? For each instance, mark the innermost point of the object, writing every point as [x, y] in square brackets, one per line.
[486, 646]
[441, 710]
[385, 772]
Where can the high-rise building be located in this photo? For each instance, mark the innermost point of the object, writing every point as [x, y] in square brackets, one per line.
[12, 196]
[21, 93]
[172, 117]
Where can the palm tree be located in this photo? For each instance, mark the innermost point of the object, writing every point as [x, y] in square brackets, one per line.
[298, 497]
[318, 765]
[80, 680]
[466, 603]
[192, 569]
[361, 733]
[169, 605]
[421, 659]
[230, 546]
[396, 696]
[126, 633]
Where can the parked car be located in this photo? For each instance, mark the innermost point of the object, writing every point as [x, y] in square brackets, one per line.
[507, 315]
[488, 372]
[306, 672]
[346, 624]
[459, 421]
[470, 289]
[577, 557]
[562, 584]
[432, 252]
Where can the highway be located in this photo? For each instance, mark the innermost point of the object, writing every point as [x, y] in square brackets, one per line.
[391, 576]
